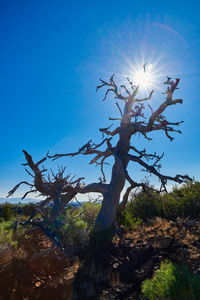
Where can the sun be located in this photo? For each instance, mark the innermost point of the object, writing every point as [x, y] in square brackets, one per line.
[144, 77]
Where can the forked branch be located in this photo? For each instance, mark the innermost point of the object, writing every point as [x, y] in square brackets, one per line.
[165, 104]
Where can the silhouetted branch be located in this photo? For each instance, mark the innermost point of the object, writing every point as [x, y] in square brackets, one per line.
[11, 192]
[152, 170]
[106, 131]
[119, 109]
[165, 104]
[146, 98]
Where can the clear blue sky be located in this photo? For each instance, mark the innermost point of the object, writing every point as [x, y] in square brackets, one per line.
[53, 53]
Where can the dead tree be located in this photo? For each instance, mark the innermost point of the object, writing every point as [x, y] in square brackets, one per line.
[61, 190]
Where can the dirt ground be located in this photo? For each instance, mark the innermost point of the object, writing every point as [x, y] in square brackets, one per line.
[37, 270]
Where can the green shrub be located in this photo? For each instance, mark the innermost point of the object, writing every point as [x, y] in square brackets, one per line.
[144, 206]
[6, 212]
[76, 234]
[79, 225]
[183, 201]
[74, 226]
[171, 207]
[172, 282]
[128, 220]
[28, 209]
[90, 213]
[7, 234]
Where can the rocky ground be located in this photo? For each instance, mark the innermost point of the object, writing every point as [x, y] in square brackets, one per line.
[38, 271]
[139, 254]
[35, 270]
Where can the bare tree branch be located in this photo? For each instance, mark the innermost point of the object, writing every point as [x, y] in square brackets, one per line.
[106, 131]
[165, 104]
[11, 192]
[152, 169]
[122, 205]
[119, 109]
[113, 88]
[146, 98]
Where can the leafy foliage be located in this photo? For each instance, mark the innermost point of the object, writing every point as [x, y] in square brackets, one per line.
[128, 221]
[172, 282]
[145, 206]
[8, 236]
[6, 212]
[90, 212]
[74, 226]
[181, 202]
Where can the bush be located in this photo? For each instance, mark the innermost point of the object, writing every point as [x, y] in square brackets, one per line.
[181, 202]
[90, 212]
[28, 209]
[6, 212]
[75, 235]
[172, 282]
[76, 224]
[144, 206]
[128, 220]
[7, 234]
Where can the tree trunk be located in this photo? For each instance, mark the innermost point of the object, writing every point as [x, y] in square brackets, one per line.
[108, 211]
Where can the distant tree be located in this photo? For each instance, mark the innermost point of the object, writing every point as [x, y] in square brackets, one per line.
[60, 189]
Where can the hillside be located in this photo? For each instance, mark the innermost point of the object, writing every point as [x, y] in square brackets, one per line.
[17, 200]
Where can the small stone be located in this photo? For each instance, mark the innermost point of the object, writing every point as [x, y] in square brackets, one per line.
[38, 284]
[115, 265]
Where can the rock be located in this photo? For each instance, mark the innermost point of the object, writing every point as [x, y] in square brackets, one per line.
[165, 242]
[115, 265]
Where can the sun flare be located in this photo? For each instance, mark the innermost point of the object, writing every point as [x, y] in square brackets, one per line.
[143, 78]
[146, 76]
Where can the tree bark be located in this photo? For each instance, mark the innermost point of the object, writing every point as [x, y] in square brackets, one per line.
[108, 211]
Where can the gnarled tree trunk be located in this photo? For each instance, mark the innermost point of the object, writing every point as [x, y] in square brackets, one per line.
[111, 198]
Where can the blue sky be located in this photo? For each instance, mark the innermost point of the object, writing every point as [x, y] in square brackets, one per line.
[53, 53]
